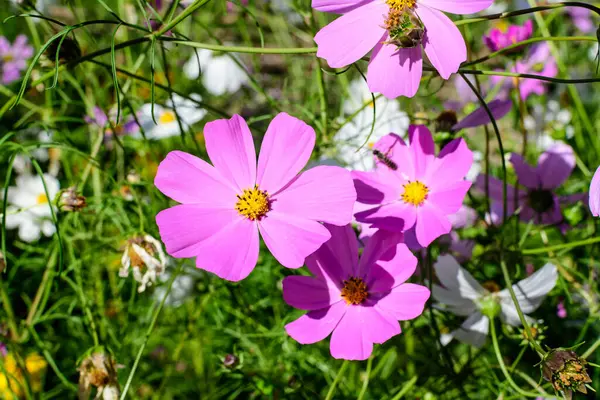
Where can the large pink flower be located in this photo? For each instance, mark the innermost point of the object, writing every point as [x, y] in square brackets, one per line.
[395, 30]
[362, 301]
[422, 191]
[226, 204]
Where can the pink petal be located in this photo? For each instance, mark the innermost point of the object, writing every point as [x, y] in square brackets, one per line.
[373, 188]
[392, 268]
[352, 35]
[595, 194]
[422, 148]
[316, 325]
[395, 217]
[431, 224]
[231, 149]
[337, 259]
[479, 117]
[381, 246]
[291, 239]
[185, 227]
[451, 166]
[322, 194]
[450, 199]
[458, 6]
[380, 326]
[232, 253]
[285, 150]
[388, 63]
[394, 148]
[306, 293]
[188, 179]
[555, 165]
[443, 43]
[405, 302]
[349, 340]
[338, 6]
[526, 174]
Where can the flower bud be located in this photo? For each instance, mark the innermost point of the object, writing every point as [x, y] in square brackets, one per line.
[230, 361]
[445, 121]
[566, 370]
[98, 370]
[71, 201]
[2, 262]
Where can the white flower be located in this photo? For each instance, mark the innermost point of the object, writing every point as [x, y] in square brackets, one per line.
[463, 295]
[145, 256]
[389, 119]
[29, 207]
[220, 74]
[476, 167]
[166, 117]
[22, 163]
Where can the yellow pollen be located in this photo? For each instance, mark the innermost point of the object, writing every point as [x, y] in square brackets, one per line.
[415, 193]
[253, 203]
[166, 117]
[491, 286]
[354, 291]
[41, 199]
[401, 5]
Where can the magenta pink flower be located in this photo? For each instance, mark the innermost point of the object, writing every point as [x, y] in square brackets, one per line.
[225, 205]
[360, 301]
[594, 196]
[498, 39]
[395, 30]
[422, 191]
[537, 201]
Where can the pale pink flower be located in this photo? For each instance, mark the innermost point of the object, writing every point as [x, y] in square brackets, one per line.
[395, 30]
[225, 205]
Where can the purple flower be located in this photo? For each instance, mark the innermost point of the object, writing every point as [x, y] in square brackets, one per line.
[537, 200]
[480, 117]
[538, 62]
[561, 311]
[3, 351]
[498, 39]
[582, 18]
[13, 59]
[421, 191]
[360, 301]
[101, 119]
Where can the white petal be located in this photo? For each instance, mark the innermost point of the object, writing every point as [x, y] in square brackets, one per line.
[457, 279]
[531, 291]
[453, 301]
[474, 330]
[29, 230]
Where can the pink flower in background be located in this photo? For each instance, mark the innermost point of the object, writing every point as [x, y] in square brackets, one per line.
[422, 191]
[360, 301]
[537, 201]
[498, 39]
[100, 119]
[561, 311]
[226, 205]
[582, 18]
[13, 58]
[395, 30]
[594, 196]
[539, 61]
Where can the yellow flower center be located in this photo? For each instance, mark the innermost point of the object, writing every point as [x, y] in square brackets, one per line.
[253, 203]
[167, 117]
[491, 286]
[41, 199]
[401, 5]
[354, 291]
[8, 57]
[415, 193]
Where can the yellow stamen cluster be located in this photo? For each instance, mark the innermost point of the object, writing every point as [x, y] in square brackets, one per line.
[41, 199]
[491, 286]
[167, 117]
[354, 291]
[401, 5]
[253, 203]
[415, 193]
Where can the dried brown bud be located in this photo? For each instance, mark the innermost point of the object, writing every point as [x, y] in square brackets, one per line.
[71, 201]
[69, 51]
[2, 262]
[98, 370]
[445, 121]
[230, 361]
[566, 370]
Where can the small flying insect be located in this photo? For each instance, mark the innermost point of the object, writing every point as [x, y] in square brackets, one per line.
[385, 160]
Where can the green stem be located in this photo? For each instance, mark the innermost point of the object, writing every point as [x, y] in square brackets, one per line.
[365, 385]
[563, 246]
[184, 14]
[406, 388]
[512, 383]
[591, 349]
[243, 49]
[336, 380]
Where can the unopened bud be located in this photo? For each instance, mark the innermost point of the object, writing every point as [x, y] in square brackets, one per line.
[445, 121]
[71, 201]
[566, 370]
[230, 361]
[2, 262]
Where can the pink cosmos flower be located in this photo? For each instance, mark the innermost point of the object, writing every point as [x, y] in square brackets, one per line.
[500, 38]
[360, 301]
[561, 311]
[395, 30]
[226, 204]
[537, 201]
[594, 197]
[422, 191]
[13, 58]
